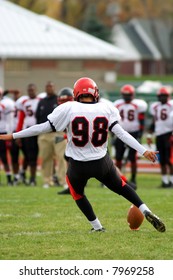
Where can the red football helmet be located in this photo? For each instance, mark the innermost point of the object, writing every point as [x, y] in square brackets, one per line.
[128, 92]
[163, 91]
[85, 86]
[128, 89]
[163, 95]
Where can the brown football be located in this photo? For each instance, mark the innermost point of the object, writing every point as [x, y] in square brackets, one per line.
[134, 217]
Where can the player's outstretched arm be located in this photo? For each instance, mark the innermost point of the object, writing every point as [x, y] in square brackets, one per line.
[33, 130]
[151, 155]
[6, 136]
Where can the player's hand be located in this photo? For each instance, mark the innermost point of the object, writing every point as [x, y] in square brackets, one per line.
[150, 155]
[149, 141]
[18, 142]
[6, 137]
[59, 139]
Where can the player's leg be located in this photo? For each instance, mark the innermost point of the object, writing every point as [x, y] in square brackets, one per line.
[3, 156]
[32, 152]
[14, 152]
[161, 144]
[169, 157]
[77, 179]
[113, 181]
[46, 149]
[133, 160]
[61, 166]
[120, 149]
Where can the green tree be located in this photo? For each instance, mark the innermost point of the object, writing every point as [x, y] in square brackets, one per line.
[94, 26]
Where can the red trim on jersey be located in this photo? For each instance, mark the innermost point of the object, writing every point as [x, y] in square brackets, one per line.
[123, 183]
[75, 195]
[21, 116]
[123, 178]
[3, 106]
[141, 116]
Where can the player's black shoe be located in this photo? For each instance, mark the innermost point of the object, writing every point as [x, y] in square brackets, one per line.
[155, 221]
[166, 185]
[98, 230]
[66, 191]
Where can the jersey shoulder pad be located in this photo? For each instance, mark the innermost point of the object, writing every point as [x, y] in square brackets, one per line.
[141, 104]
[118, 102]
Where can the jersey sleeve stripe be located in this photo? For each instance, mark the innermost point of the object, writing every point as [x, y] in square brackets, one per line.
[112, 125]
[52, 126]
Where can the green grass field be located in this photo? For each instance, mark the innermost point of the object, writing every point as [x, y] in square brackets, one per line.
[38, 224]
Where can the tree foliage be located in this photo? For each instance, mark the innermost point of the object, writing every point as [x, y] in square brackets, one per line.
[107, 13]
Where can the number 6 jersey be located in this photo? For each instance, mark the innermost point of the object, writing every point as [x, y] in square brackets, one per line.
[129, 113]
[162, 116]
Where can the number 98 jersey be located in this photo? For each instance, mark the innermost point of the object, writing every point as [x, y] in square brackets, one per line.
[87, 127]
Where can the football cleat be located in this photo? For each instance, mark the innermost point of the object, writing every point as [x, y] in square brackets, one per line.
[65, 191]
[155, 221]
[98, 230]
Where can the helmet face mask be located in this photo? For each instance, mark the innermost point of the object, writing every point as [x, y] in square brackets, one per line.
[163, 95]
[128, 92]
[64, 95]
[84, 87]
[163, 98]
[128, 97]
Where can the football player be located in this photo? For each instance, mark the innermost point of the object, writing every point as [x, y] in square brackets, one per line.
[26, 119]
[7, 109]
[87, 122]
[64, 95]
[132, 112]
[15, 145]
[162, 127]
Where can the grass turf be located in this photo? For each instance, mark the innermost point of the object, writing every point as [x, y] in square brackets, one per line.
[38, 224]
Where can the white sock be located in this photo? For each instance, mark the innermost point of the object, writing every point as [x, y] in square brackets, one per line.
[65, 186]
[96, 224]
[165, 179]
[144, 208]
[171, 178]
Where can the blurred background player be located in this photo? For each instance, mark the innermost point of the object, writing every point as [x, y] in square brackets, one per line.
[26, 119]
[47, 144]
[6, 125]
[162, 127]
[132, 112]
[15, 145]
[64, 95]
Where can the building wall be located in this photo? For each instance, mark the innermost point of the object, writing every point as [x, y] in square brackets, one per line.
[148, 67]
[19, 73]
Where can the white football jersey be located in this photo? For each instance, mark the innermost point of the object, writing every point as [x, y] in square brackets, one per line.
[7, 109]
[171, 120]
[81, 120]
[129, 113]
[29, 107]
[105, 100]
[18, 106]
[42, 95]
[87, 126]
[162, 116]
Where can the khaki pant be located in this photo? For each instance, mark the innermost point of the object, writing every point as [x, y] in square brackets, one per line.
[50, 152]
